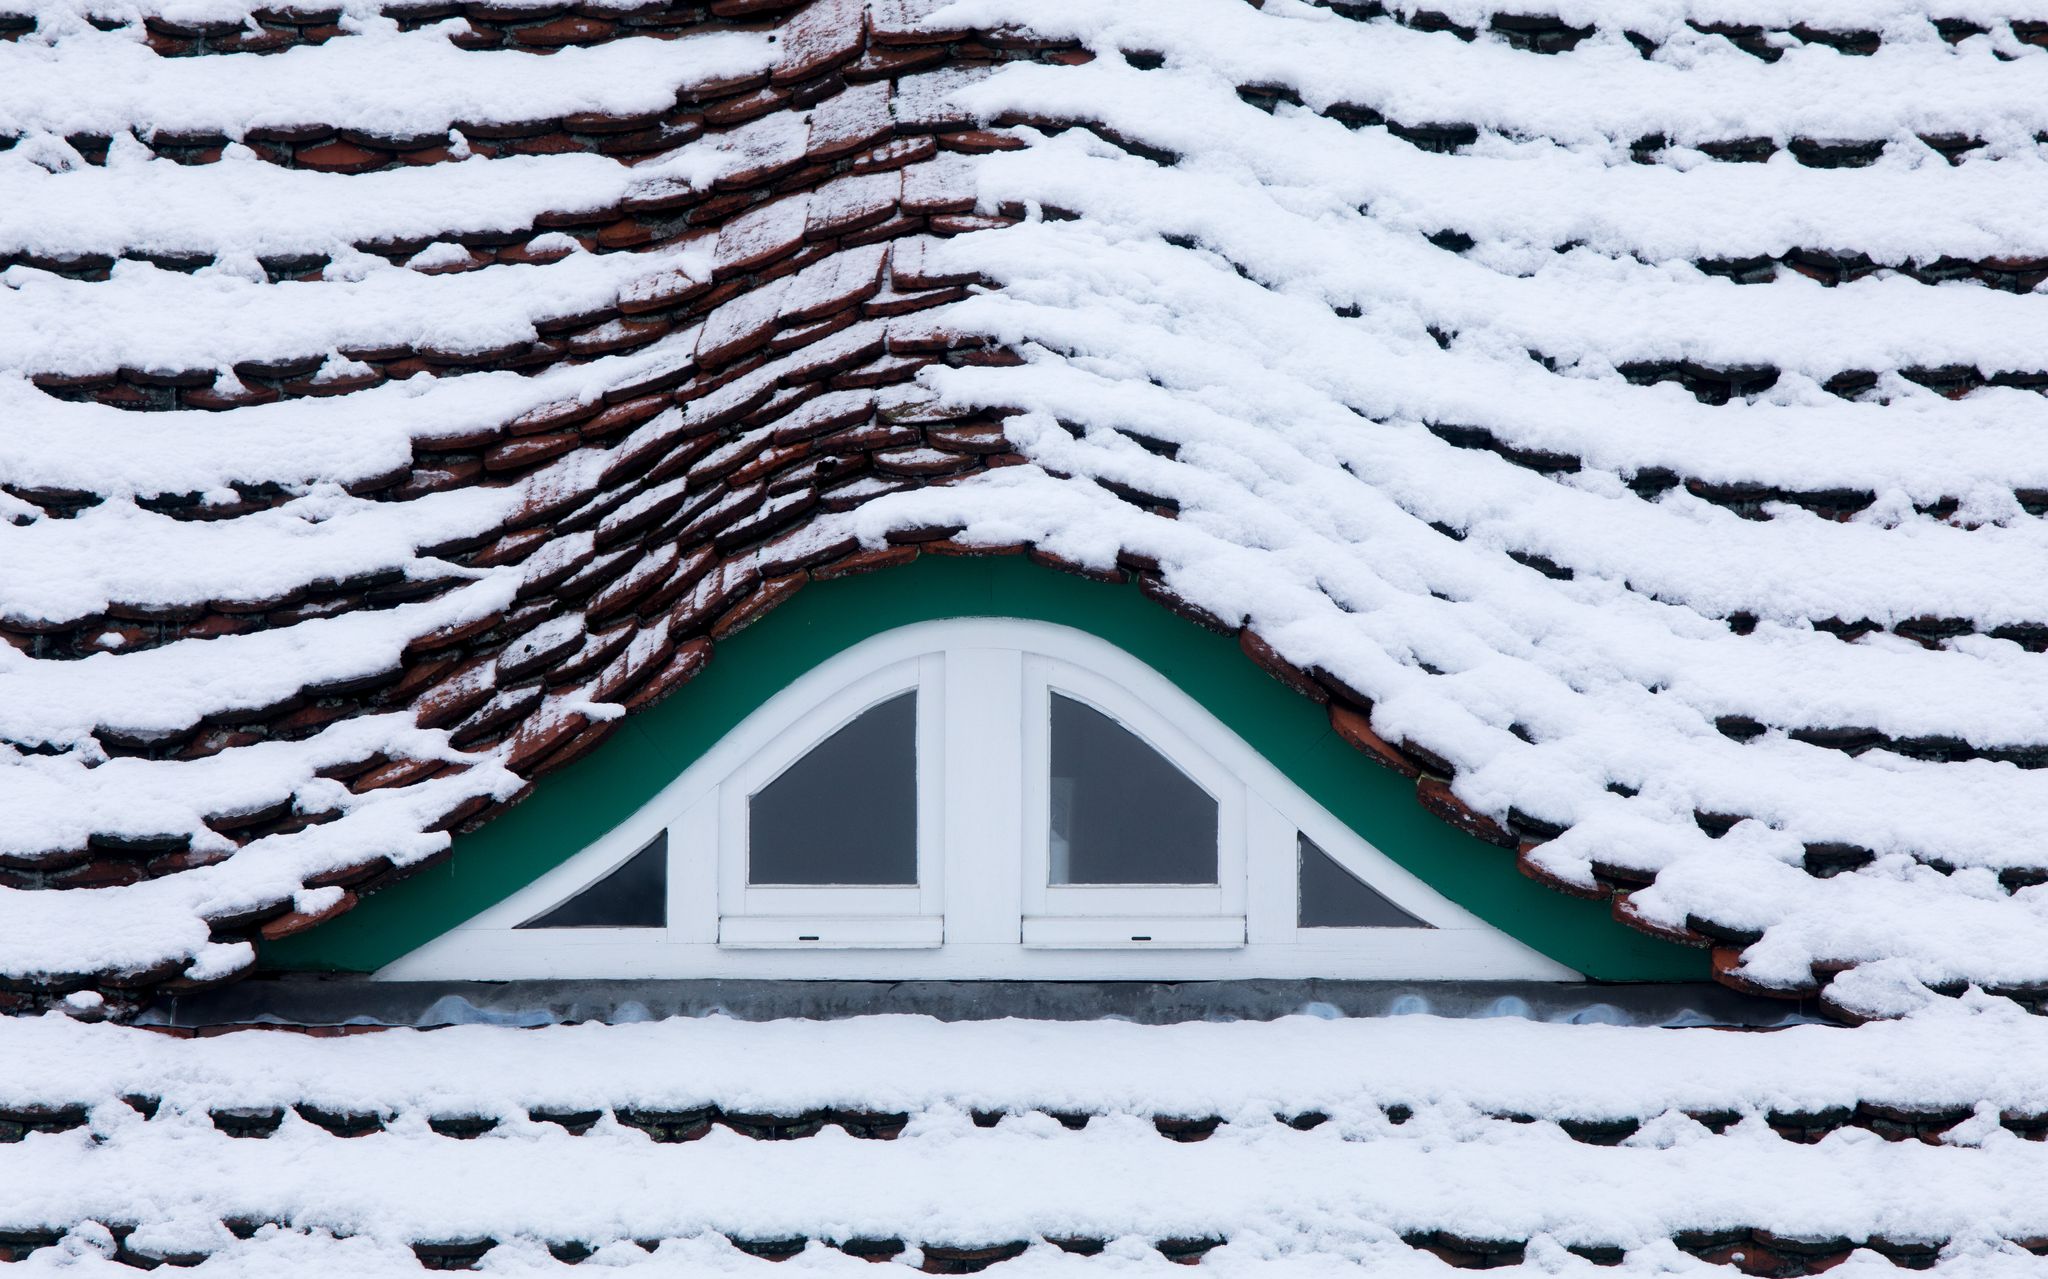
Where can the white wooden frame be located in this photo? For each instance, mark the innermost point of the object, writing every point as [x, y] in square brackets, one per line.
[851, 915]
[1158, 916]
[976, 912]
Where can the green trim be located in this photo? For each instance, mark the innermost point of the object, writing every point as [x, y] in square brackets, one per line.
[573, 807]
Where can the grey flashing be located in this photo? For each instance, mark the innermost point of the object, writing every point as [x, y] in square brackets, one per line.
[307, 1001]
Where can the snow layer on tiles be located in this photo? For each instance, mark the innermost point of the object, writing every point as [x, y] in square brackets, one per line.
[243, 206]
[69, 567]
[1269, 305]
[1662, 19]
[1797, 436]
[59, 325]
[1346, 573]
[162, 923]
[174, 686]
[70, 77]
[58, 786]
[208, 12]
[90, 1251]
[948, 1182]
[1677, 549]
[1951, 1054]
[1697, 89]
[1250, 305]
[62, 570]
[1288, 223]
[1354, 1185]
[1382, 485]
[1910, 204]
[94, 448]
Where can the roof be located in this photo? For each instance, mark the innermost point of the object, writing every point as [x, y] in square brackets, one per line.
[1623, 421]
[1297, 1146]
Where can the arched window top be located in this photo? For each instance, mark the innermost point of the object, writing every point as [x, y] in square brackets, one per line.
[846, 811]
[980, 798]
[1122, 812]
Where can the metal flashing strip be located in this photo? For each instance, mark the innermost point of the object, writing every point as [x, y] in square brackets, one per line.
[331, 1001]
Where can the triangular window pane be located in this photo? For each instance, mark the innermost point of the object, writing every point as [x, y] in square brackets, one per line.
[633, 896]
[846, 813]
[1332, 897]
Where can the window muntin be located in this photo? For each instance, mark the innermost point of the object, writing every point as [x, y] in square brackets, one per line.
[1121, 812]
[846, 811]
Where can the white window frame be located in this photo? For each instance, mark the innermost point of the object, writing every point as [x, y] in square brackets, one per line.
[983, 907]
[804, 916]
[1119, 915]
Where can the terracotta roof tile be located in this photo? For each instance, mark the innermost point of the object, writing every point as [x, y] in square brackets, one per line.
[1361, 307]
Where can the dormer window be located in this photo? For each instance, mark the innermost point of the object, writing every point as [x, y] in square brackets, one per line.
[975, 799]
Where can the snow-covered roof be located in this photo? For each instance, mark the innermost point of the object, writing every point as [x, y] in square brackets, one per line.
[394, 399]
[1298, 1146]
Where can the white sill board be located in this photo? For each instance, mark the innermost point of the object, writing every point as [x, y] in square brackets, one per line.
[1134, 932]
[829, 932]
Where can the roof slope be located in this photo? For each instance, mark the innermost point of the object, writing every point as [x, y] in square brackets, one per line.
[1293, 1146]
[1624, 420]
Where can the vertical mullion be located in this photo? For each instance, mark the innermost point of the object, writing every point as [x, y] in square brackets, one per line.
[1033, 735]
[1269, 871]
[934, 768]
[694, 855]
[984, 767]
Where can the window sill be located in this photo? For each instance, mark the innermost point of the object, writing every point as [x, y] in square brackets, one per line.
[831, 932]
[1134, 932]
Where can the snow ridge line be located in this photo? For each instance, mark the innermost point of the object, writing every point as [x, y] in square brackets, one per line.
[539, 28]
[1605, 94]
[1762, 31]
[189, 28]
[210, 1141]
[668, 1125]
[138, 1245]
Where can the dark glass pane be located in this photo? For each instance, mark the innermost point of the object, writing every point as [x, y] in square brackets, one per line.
[847, 812]
[633, 896]
[1332, 897]
[1121, 812]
